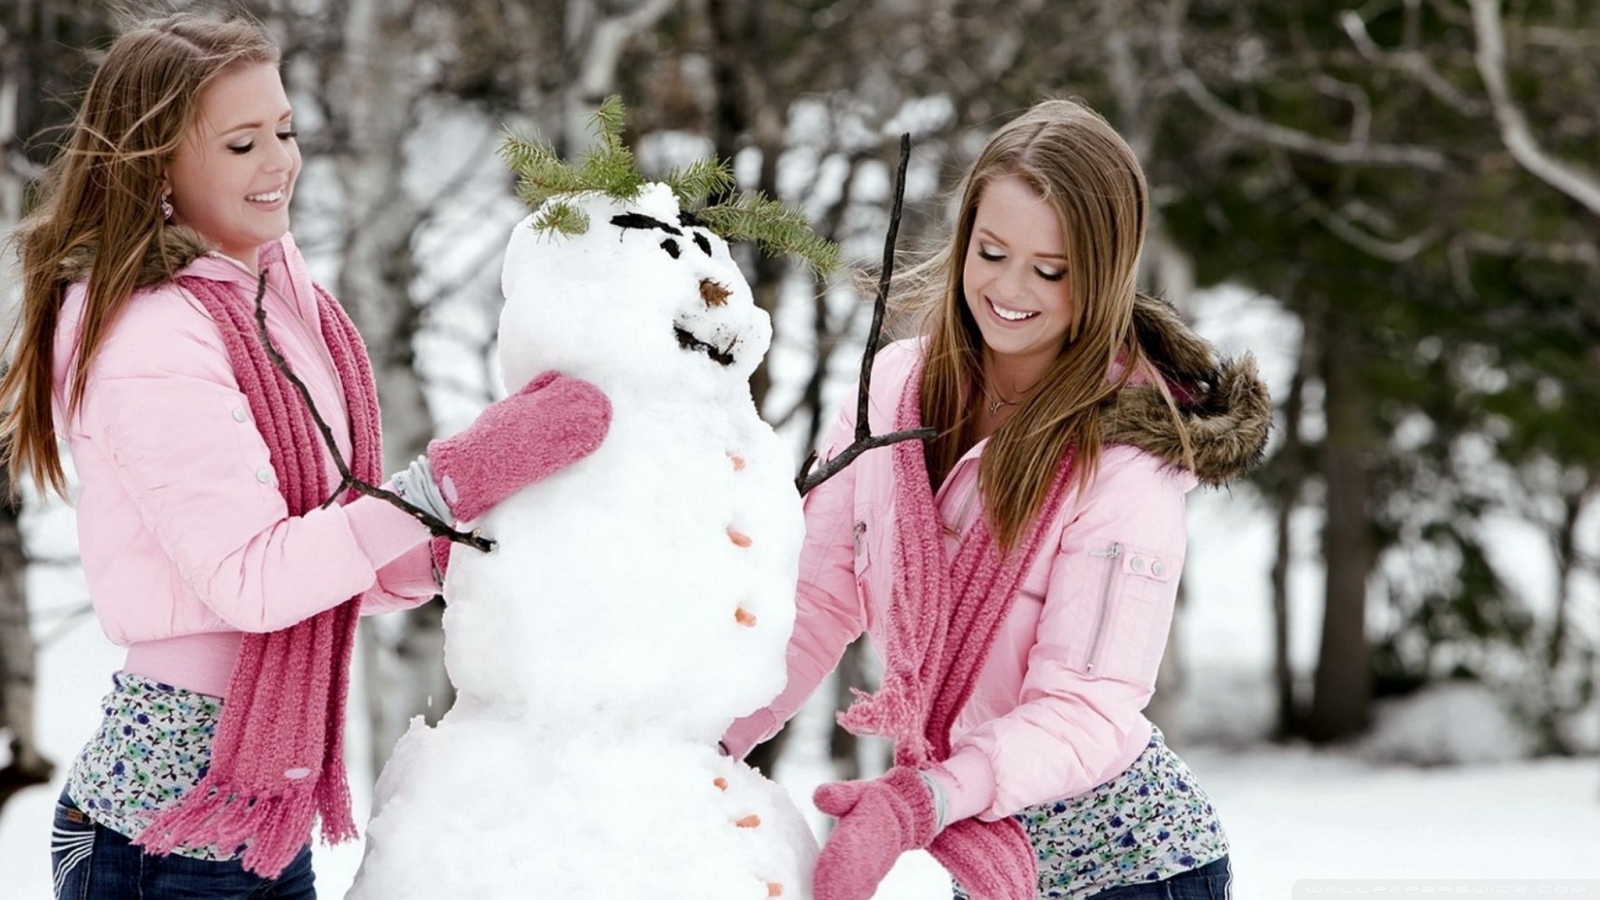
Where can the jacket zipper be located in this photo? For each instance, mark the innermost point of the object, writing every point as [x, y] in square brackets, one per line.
[1110, 555]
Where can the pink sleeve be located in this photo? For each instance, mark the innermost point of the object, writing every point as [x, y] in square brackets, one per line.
[1092, 669]
[403, 584]
[828, 612]
[202, 480]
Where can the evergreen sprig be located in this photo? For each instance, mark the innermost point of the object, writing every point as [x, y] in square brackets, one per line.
[774, 226]
[561, 216]
[609, 168]
[700, 180]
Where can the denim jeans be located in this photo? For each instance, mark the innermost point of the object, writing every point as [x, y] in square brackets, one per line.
[1209, 882]
[92, 862]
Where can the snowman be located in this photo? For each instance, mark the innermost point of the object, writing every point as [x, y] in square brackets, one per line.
[637, 602]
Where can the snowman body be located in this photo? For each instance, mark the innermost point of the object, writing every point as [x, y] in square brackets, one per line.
[637, 602]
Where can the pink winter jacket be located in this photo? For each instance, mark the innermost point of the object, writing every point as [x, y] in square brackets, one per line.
[1057, 708]
[185, 539]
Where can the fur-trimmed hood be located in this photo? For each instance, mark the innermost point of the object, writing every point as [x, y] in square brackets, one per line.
[174, 248]
[1224, 405]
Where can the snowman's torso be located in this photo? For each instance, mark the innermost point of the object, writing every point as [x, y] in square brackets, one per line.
[651, 583]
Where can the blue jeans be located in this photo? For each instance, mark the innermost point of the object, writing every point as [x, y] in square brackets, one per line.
[93, 862]
[1209, 882]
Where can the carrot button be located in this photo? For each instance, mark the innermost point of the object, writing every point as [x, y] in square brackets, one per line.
[744, 618]
[739, 538]
[750, 821]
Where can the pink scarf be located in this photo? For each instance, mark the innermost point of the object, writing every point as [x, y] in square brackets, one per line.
[278, 757]
[941, 623]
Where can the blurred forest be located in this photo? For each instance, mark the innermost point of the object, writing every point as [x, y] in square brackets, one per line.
[1416, 182]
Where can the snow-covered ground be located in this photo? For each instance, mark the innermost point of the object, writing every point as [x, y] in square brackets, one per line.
[1291, 813]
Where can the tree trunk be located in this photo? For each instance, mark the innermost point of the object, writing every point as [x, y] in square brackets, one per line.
[26, 766]
[595, 38]
[1292, 466]
[1343, 688]
[375, 97]
[748, 112]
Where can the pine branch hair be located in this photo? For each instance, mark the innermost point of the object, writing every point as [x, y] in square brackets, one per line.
[102, 194]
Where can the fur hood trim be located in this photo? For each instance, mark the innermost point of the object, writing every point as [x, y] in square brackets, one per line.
[175, 247]
[1223, 403]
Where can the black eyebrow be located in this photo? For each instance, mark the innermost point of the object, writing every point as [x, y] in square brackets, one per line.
[642, 221]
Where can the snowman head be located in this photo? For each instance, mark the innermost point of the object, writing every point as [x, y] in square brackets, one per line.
[645, 296]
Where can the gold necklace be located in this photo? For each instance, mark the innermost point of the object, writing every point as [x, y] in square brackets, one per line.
[994, 400]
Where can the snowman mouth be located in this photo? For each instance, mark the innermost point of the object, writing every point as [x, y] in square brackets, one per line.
[688, 341]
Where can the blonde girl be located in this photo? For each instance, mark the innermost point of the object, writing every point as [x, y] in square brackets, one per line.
[1017, 574]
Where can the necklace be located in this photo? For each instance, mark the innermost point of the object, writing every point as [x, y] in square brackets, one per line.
[994, 400]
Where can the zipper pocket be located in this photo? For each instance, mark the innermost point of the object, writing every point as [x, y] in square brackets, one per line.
[1111, 555]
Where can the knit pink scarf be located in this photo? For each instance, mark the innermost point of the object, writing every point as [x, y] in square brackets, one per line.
[941, 623]
[278, 757]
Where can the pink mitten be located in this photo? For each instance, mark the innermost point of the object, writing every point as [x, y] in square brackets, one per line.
[439, 549]
[990, 860]
[548, 425]
[878, 821]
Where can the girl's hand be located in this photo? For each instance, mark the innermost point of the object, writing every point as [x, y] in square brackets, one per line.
[878, 821]
[526, 437]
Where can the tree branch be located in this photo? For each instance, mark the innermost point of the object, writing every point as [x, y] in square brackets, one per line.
[1346, 230]
[1411, 62]
[864, 438]
[1514, 130]
[1359, 153]
[435, 526]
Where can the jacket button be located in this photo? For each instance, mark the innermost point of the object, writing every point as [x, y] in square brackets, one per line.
[239, 415]
[263, 475]
[1158, 569]
[1136, 564]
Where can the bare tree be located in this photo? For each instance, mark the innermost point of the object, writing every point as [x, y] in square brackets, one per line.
[40, 66]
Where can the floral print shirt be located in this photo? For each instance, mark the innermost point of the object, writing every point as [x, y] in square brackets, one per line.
[1149, 823]
[154, 744]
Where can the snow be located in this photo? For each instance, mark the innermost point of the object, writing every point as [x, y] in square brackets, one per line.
[591, 695]
[1290, 813]
[1450, 722]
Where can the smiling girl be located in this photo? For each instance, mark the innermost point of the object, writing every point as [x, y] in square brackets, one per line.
[1018, 573]
[216, 544]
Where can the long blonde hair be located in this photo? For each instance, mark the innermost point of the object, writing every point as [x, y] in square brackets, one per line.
[1077, 162]
[102, 194]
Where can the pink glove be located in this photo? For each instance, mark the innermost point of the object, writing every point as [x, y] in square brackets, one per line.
[878, 821]
[990, 860]
[548, 425]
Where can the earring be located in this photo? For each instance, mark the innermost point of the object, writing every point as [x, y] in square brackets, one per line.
[166, 207]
